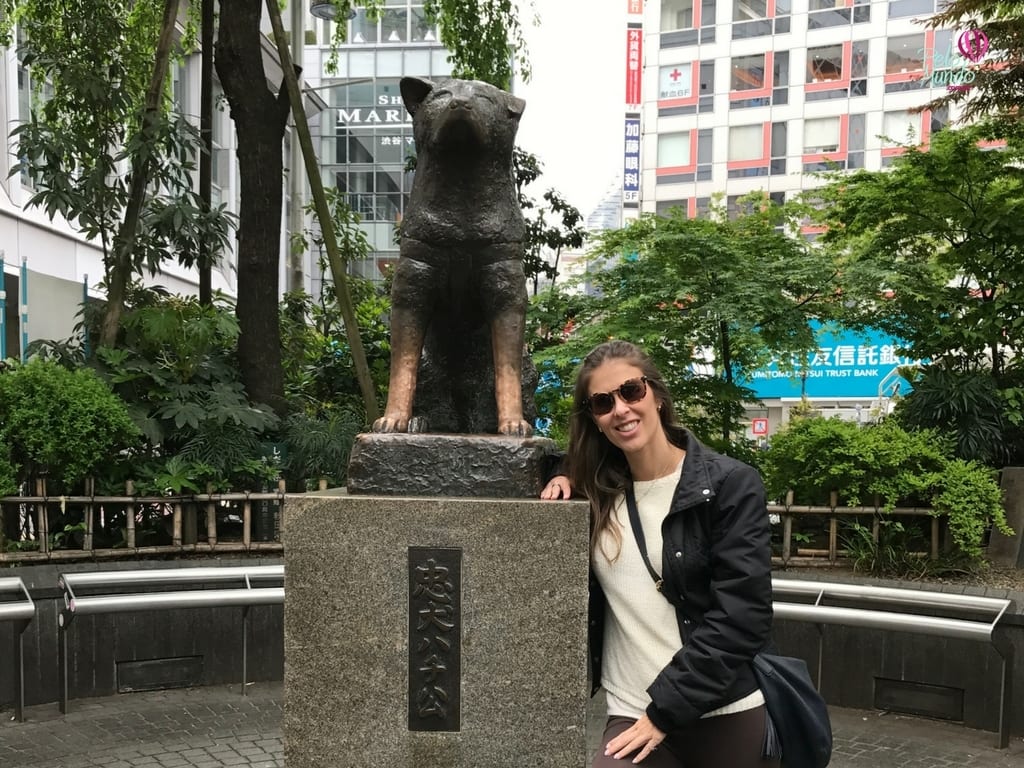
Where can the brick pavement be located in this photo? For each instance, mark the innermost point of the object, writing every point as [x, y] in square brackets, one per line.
[216, 727]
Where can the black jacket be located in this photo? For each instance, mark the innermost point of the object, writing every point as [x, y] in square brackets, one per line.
[716, 565]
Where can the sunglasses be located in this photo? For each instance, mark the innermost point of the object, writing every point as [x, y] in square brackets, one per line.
[631, 391]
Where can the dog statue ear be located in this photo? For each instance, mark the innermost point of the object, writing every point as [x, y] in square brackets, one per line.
[414, 91]
[515, 106]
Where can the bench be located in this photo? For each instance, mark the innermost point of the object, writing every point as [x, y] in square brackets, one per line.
[16, 606]
[89, 593]
[904, 610]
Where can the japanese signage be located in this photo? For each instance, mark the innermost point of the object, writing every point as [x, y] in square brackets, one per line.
[675, 82]
[631, 162]
[435, 647]
[634, 7]
[634, 64]
[845, 364]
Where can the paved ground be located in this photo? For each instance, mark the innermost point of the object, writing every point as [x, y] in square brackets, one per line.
[217, 727]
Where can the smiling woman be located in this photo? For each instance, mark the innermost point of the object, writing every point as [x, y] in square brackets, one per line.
[675, 628]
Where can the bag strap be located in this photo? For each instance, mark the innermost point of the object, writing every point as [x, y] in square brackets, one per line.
[638, 534]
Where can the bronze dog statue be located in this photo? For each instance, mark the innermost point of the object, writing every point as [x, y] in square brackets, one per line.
[459, 293]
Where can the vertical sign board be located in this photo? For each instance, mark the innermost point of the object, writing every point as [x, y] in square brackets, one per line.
[634, 64]
[435, 631]
[631, 162]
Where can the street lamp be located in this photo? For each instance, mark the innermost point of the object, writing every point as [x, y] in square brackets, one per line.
[325, 9]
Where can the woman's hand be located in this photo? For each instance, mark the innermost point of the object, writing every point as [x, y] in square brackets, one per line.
[642, 737]
[558, 487]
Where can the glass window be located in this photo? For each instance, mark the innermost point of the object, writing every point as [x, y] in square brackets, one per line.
[364, 29]
[673, 149]
[901, 8]
[821, 135]
[778, 140]
[707, 78]
[824, 63]
[745, 142]
[899, 128]
[675, 82]
[393, 24]
[676, 14]
[748, 72]
[745, 10]
[904, 54]
[662, 207]
[420, 28]
[939, 119]
[859, 61]
[780, 75]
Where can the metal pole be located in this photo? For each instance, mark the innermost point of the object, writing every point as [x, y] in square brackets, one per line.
[3, 310]
[19, 671]
[62, 663]
[24, 309]
[85, 330]
[296, 218]
[245, 648]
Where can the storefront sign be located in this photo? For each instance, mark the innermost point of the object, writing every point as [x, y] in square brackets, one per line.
[634, 64]
[956, 69]
[631, 162]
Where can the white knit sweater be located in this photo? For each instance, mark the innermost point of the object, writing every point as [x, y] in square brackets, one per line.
[641, 634]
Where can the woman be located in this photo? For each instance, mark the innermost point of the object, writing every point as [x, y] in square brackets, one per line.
[673, 658]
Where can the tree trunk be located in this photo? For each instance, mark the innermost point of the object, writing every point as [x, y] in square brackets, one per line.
[260, 117]
[723, 328]
[124, 244]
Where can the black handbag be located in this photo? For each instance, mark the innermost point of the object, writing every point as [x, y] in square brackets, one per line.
[798, 728]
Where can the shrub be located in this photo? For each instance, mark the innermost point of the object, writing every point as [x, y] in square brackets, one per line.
[887, 465]
[64, 424]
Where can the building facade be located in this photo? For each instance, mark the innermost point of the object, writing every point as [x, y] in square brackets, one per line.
[737, 96]
[365, 133]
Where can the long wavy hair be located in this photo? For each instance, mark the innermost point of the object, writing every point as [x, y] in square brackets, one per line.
[598, 469]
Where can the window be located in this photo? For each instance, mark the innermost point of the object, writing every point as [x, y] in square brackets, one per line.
[899, 128]
[901, 8]
[674, 149]
[746, 142]
[748, 73]
[393, 25]
[363, 29]
[904, 54]
[745, 10]
[675, 82]
[825, 64]
[821, 135]
[778, 148]
[676, 14]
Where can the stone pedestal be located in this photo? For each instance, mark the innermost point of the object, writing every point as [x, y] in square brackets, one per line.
[450, 465]
[373, 621]
[1003, 550]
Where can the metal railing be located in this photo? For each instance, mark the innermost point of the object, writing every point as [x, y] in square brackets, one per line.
[181, 588]
[17, 607]
[902, 610]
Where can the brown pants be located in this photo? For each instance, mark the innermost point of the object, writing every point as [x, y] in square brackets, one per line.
[724, 741]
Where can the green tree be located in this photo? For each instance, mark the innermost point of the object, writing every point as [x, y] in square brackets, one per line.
[932, 252]
[99, 104]
[59, 423]
[710, 299]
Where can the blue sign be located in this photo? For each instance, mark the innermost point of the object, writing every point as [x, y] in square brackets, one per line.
[845, 364]
[631, 162]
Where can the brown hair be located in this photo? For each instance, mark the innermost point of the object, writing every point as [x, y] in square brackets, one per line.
[598, 469]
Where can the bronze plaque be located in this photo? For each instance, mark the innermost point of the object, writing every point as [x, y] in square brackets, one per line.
[435, 632]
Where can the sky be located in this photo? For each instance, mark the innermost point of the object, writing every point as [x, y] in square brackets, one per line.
[574, 101]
